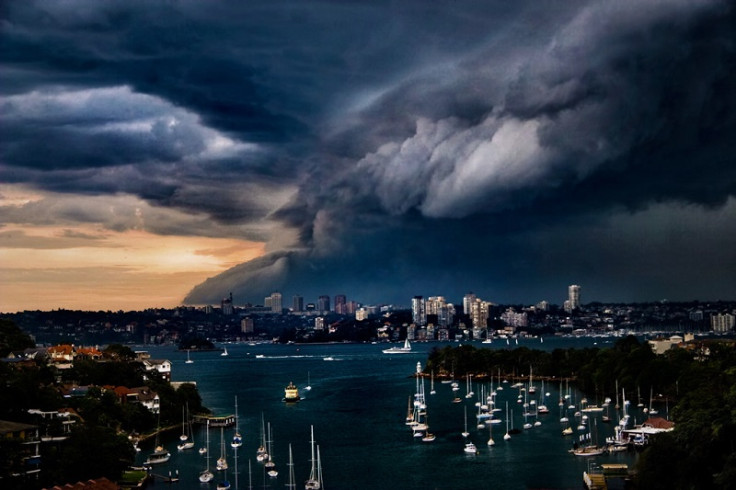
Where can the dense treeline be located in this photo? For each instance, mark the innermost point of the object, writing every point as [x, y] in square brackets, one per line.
[629, 362]
[97, 444]
[700, 386]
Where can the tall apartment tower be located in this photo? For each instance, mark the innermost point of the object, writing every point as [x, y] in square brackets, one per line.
[247, 325]
[468, 300]
[323, 303]
[573, 297]
[276, 305]
[341, 304]
[226, 305]
[418, 310]
[297, 303]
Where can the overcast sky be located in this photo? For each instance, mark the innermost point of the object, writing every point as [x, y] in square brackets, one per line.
[155, 153]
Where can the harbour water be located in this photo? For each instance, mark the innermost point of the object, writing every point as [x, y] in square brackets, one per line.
[358, 405]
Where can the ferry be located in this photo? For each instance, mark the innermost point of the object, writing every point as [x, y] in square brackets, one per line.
[291, 393]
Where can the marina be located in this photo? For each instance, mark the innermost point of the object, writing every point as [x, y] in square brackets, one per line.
[357, 408]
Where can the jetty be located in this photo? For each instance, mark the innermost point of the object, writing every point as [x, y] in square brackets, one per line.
[215, 420]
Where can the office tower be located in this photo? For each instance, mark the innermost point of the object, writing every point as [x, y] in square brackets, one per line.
[323, 303]
[297, 303]
[341, 304]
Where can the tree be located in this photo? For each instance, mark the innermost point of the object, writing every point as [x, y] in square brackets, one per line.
[90, 452]
[13, 338]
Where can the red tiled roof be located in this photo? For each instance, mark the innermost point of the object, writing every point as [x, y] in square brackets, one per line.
[98, 484]
[658, 423]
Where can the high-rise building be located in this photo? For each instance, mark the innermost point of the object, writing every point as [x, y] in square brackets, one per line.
[468, 300]
[436, 305]
[418, 310]
[297, 303]
[722, 322]
[573, 298]
[323, 303]
[246, 325]
[479, 313]
[276, 305]
[341, 304]
[226, 305]
[352, 307]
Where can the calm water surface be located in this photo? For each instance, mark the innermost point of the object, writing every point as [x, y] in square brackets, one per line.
[357, 405]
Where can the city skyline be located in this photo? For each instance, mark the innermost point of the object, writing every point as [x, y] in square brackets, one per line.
[170, 153]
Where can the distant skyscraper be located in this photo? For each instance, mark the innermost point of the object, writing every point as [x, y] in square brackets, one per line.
[573, 297]
[297, 303]
[323, 303]
[479, 312]
[341, 304]
[468, 300]
[227, 305]
[276, 305]
[246, 325]
[418, 310]
[436, 305]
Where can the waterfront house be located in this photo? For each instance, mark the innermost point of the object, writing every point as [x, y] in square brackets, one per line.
[143, 395]
[161, 366]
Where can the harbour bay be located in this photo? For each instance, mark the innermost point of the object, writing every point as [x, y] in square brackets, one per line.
[358, 405]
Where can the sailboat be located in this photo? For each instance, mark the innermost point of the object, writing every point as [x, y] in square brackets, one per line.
[309, 384]
[428, 436]
[262, 452]
[270, 465]
[186, 433]
[532, 389]
[410, 414]
[224, 352]
[431, 384]
[222, 460]
[491, 442]
[465, 431]
[507, 436]
[237, 438]
[206, 475]
[223, 484]
[189, 360]
[652, 411]
[292, 478]
[405, 349]
[587, 449]
[315, 481]
[159, 454]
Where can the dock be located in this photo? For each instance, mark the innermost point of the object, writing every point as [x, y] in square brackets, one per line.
[614, 473]
[594, 481]
[215, 421]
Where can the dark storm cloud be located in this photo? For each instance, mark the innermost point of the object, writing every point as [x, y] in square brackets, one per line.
[417, 145]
